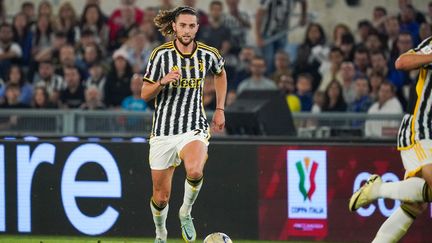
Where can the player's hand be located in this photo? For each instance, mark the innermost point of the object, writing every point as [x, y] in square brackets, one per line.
[172, 76]
[218, 122]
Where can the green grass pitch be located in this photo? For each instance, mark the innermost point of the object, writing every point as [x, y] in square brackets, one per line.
[64, 239]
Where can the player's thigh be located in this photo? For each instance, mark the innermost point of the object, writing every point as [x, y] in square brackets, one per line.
[162, 180]
[194, 155]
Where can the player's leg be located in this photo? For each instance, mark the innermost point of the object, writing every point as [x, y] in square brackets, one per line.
[159, 202]
[398, 223]
[417, 162]
[194, 155]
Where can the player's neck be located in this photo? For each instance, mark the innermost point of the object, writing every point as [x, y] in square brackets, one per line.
[185, 49]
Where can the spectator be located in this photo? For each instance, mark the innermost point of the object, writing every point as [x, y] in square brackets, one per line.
[216, 33]
[361, 61]
[23, 36]
[338, 32]
[287, 85]
[429, 12]
[149, 28]
[331, 68]
[282, 64]
[97, 78]
[67, 56]
[28, 9]
[304, 91]
[16, 76]
[271, 25]
[92, 19]
[318, 101]
[311, 53]
[334, 100]
[247, 54]
[364, 28]
[10, 51]
[348, 46]
[378, 63]
[118, 21]
[409, 24]
[41, 99]
[67, 22]
[138, 50]
[46, 78]
[45, 8]
[73, 95]
[375, 42]
[92, 55]
[348, 85]
[41, 35]
[93, 100]
[379, 16]
[12, 94]
[98, 3]
[387, 103]
[238, 23]
[362, 100]
[392, 30]
[257, 80]
[425, 30]
[126, 28]
[134, 102]
[376, 78]
[117, 85]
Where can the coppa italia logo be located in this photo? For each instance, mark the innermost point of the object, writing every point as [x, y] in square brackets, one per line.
[306, 168]
[307, 184]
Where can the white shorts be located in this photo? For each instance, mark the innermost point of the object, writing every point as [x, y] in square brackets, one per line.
[416, 157]
[165, 150]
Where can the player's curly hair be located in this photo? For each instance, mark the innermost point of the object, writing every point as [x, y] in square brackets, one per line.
[165, 18]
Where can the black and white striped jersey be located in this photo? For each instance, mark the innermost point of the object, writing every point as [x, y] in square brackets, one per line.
[178, 106]
[277, 16]
[417, 123]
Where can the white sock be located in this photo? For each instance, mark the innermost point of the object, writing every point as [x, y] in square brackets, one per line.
[409, 190]
[394, 227]
[159, 218]
[190, 195]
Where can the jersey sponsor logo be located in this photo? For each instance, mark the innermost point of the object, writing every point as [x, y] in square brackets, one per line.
[192, 83]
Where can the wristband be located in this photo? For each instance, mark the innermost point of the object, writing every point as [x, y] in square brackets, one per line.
[217, 108]
[160, 83]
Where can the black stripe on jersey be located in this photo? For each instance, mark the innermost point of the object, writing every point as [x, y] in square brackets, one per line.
[159, 110]
[169, 111]
[209, 48]
[424, 43]
[403, 138]
[422, 110]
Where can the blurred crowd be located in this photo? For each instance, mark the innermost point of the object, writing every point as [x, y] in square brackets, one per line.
[95, 60]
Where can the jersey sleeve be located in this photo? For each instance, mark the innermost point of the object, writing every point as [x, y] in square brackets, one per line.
[218, 63]
[153, 73]
[424, 48]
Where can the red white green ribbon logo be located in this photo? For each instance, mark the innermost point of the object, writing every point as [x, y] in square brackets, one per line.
[304, 169]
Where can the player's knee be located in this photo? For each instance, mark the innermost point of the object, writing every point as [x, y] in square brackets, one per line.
[194, 173]
[161, 198]
[413, 209]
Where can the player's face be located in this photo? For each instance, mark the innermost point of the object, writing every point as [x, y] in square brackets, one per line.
[186, 27]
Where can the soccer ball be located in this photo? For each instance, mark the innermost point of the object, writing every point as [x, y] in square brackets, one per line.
[217, 237]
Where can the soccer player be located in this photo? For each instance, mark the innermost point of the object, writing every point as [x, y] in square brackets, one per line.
[415, 144]
[174, 77]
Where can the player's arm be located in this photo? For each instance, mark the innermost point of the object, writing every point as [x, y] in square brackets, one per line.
[220, 81]
[412, 60]
[151, 89]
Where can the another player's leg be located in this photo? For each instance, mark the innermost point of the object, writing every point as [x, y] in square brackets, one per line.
[194, 155]
[398, 223]
[410, 190]
[159, 202]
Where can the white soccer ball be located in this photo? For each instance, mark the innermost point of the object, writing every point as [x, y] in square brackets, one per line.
[217, 237]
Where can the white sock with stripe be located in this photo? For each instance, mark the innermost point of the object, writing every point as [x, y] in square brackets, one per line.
[409, 190]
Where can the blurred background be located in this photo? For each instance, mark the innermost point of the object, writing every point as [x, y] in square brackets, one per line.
[311, 84]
